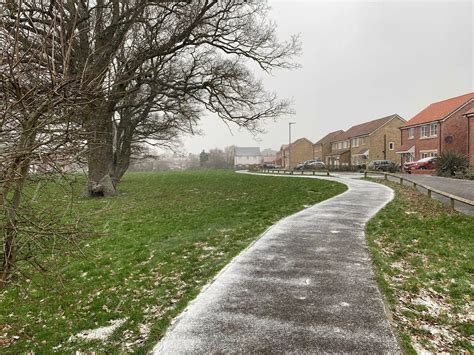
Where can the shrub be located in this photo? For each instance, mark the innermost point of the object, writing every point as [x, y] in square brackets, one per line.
[452, 164]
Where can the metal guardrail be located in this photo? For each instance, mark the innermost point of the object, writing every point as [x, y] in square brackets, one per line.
[429, 189]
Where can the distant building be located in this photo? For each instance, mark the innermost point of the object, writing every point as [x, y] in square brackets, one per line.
[442, 126]
[269, 156]
[245, 156]
[301, 150]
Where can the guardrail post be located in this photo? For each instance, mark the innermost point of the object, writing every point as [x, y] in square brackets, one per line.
[314, 172]
[401, 181]
[327, 173]
[385, 176]
[302, 172]
[365, 174]
[414, 185]
[451, 203]
[429, 193]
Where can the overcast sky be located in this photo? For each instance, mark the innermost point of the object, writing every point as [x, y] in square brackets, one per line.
[361, 60]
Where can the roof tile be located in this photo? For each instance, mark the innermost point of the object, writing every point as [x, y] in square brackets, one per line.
[363, 129]
[439, 110]
[327, 138]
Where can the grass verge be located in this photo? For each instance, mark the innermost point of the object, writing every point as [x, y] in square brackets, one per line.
[155, 245]
[424, 261]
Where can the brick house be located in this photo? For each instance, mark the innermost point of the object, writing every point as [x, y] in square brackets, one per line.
[340, 152]
[301, 149]
[374, 140]
[442, 126]
[323, 147]
[470, 137]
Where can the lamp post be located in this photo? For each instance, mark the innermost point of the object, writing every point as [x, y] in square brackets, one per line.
[289, 143]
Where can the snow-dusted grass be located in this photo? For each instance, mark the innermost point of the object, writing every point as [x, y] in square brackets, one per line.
[154, 246]
[424, 259]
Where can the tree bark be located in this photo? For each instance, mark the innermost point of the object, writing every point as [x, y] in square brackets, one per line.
[121, 161]
[100, 152]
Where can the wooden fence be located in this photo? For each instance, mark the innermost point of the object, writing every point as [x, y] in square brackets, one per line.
[402, 179]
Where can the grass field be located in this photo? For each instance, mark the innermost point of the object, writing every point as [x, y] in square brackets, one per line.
[152, 249]
[424, 260]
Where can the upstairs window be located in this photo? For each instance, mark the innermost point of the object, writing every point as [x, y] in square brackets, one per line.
[411, 133]
[424, 131]
[391, 146]
[429, 130]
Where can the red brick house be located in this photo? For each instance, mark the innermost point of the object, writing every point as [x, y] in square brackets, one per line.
[442, 126]
[470, 137]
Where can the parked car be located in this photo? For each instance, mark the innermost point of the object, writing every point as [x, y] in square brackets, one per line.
[315, 164]
[407, 166]
[382, 165]
[429, 163]
[300, 165]
[310, 165]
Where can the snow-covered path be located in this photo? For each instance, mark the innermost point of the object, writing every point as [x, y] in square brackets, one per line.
[305, 286]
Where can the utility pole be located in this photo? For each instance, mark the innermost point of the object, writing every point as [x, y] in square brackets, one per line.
[289, 143]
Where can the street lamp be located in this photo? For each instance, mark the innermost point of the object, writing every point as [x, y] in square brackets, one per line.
[289, 143]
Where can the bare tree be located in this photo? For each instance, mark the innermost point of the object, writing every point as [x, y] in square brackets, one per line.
[184, 53]
[37, 122]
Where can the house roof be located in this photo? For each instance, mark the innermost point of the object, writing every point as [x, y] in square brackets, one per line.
[470, 112]
[362, 151]
[406, 148]
[364, 129]
[285, 146]
[268, 152]
[328, 137]
[339, 152]
[241, 151]
[439, 110]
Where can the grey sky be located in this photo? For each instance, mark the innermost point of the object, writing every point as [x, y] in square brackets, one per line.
[361, 60]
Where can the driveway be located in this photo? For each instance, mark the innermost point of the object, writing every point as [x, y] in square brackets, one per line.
[305, 286]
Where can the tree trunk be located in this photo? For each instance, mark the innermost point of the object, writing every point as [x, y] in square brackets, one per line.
[122, 147]
[121, 162]
[100, 152]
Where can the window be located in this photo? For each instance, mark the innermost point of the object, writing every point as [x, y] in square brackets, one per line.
[409, 157]
[391, 146]
[355, 142]
[429, 154]
[429, 130]
[424, 131]
[411, 133]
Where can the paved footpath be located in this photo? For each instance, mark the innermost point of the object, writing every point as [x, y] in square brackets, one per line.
[306, 286]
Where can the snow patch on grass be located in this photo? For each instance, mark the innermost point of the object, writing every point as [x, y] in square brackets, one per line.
[101, 333]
